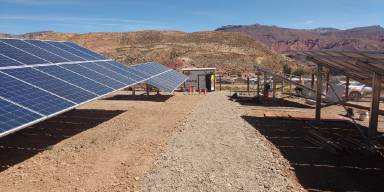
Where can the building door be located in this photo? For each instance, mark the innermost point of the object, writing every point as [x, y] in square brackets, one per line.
[210, 82]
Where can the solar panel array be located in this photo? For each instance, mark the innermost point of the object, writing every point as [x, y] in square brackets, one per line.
[40, 79]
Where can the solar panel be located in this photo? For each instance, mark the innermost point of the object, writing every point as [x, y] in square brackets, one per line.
[71, 50]
[40, 79]
[31, 96]
[34, 50]
[76, 79]
[100, 78]
[150, 68]
[13, 116]
[6, 61]
[109, 73]
[52, 84]
[86, 51]
[128, 71]
[44, 45]
[168, 81]
[19, 55]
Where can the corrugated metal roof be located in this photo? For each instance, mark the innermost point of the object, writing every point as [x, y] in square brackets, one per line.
[358, 65]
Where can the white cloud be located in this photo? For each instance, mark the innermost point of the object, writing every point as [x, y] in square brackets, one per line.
[87, 23]
[69, 19]
[309, 22]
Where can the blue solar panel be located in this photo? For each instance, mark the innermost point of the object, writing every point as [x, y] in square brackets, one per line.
[19, 55]
[160, 84]
[156, 66]
[51, 84]
[76, 79]
[66, 75]
[110, 73]
[94, 75]
[39, 52]
[87, 51]
[55, 50]
[13, 116]
[31, 97]
[5, 62]
[127, 71]
[76, 52]
[150, 68]
[168, 81]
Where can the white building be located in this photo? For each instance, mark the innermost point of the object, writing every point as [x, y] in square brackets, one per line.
[200, 78]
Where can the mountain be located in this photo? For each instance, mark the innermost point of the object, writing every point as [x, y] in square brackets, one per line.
[282, 40]
[232, 51]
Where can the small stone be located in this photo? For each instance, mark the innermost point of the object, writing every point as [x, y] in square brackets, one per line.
[137, 178]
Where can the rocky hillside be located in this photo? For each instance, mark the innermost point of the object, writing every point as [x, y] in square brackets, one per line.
[284, 40]
[231, 51]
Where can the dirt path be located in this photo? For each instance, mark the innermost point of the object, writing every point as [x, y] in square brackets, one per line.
[218, 151]
[106, 145]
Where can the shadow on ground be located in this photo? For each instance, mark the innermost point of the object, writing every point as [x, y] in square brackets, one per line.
[26, 143]
[316, 168]
[277, 102]
[153, 98]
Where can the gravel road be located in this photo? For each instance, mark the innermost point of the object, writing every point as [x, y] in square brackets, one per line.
[216, 150]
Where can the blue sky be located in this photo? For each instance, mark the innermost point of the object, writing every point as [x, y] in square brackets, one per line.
[21, 16]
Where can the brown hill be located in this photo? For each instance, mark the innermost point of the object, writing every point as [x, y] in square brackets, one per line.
[231, 51]
[284, 40]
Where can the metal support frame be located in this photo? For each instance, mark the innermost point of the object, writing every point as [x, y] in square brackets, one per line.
[372, 130]
[319, 91]
[327, 83]
[282, 86]
[264, 82]
[274, 87]
[147, 89]
[290, 84]
[346, 88]
[220, 81]
[312, 80]
[258, 83]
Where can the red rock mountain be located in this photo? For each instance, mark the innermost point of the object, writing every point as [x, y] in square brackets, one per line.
[283, 40]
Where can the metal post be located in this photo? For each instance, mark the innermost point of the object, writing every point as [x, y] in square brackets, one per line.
[312, 80]
[282, 87]
[258, 83]
[327, 85]
[374, 105]
[274, 87]
[147, 89]
[319, 91]
[265, 82]
[347, 88]
[290, 85]
[248, 84]
[220, 81]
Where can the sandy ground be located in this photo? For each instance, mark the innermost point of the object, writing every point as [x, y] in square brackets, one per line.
[106, 145]
[183, 143]
[217, 150]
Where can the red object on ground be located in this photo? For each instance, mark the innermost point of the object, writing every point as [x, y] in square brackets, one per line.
[190, 89]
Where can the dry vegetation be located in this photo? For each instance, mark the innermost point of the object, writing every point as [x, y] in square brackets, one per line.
[230, 51]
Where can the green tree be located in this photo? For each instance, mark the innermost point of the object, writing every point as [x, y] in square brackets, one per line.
[287, 69]
[299, 71]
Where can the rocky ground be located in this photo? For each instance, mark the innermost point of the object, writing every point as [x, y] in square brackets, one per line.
[106, 145]
[217, 150]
